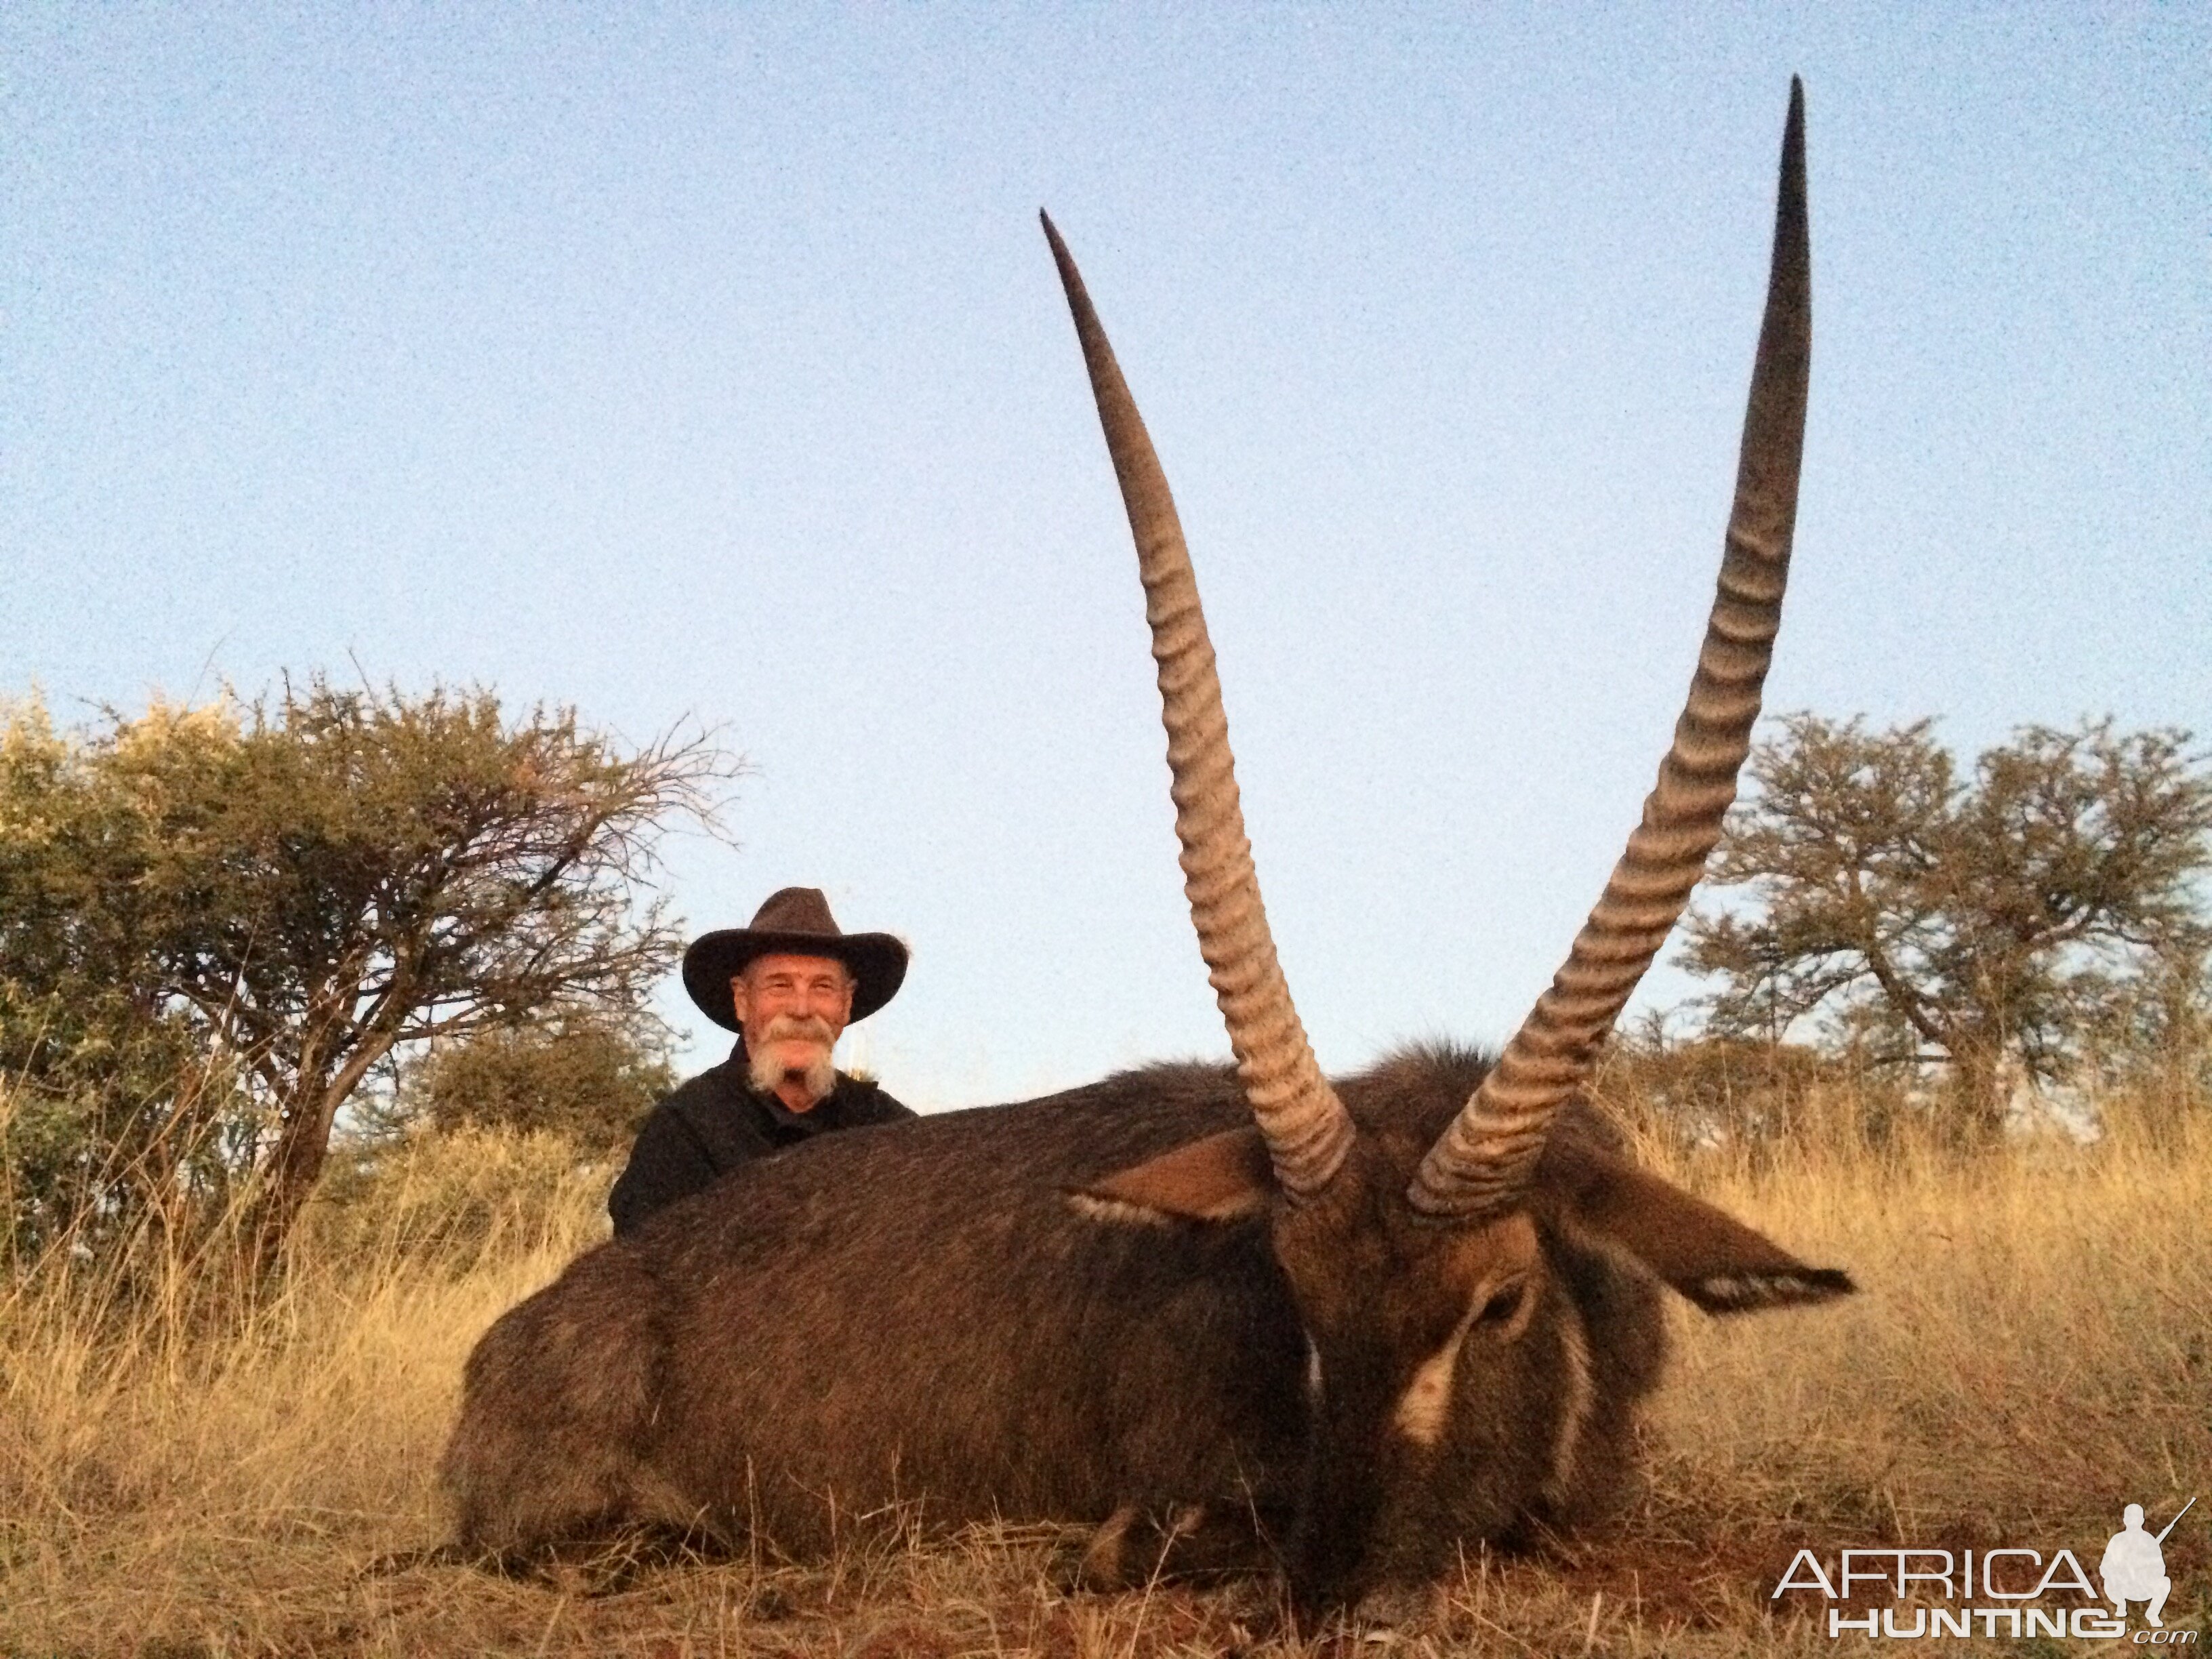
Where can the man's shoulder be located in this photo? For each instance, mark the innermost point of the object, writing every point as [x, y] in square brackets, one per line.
[694, 1132]
[715, 1084]
[709, 1104]
[863, 1100]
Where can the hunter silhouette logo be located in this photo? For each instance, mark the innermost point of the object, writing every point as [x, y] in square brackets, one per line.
[2134, 1567]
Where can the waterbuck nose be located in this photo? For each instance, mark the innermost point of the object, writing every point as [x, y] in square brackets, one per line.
[1325, 1571]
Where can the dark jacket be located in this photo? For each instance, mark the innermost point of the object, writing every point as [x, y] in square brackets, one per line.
[718, 1120]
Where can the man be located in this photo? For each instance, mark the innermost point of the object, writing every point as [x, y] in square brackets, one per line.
[2134, 1567]
[788, 986]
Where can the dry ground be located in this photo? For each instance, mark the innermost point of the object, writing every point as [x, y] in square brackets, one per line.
[2033, 1350]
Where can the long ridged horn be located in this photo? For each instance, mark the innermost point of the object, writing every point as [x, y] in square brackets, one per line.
[1307, 1131]
[1479, 1164]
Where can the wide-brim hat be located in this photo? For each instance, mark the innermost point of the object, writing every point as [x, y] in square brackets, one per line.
[796, 920]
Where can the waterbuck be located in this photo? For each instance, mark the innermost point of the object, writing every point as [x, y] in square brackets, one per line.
[1226, 1315]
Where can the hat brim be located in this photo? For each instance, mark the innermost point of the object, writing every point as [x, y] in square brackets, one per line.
[878, 961]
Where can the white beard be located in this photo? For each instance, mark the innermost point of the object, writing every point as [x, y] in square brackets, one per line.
[769, 1071]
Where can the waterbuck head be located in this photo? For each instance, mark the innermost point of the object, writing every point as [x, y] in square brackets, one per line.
[1441, 1255]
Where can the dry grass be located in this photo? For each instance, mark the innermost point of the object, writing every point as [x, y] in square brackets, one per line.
[2030, 1353]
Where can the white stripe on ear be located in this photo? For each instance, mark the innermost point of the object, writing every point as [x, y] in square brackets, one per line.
[1744, 1290]
[1113, 1210]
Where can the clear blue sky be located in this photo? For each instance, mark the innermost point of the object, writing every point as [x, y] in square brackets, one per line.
[708, 362]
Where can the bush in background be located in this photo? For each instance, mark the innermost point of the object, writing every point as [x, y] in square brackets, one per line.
[588, 1077]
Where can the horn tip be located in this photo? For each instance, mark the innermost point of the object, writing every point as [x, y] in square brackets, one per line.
[1789, 197]
[1070, 279]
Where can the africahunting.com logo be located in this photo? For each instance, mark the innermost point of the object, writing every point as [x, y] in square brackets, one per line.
[2008, 1592]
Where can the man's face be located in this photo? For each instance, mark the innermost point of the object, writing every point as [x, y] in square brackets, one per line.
[792, 1010]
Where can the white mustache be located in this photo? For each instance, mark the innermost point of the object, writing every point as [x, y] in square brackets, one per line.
[798, 1028]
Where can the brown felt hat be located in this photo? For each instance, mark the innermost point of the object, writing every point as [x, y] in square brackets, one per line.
[796, 920]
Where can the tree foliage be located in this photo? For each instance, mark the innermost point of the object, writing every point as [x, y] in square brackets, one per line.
[215, 921]
[1999, 919]
[588, 1077]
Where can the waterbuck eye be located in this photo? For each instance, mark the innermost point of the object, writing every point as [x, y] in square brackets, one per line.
[1504, 1304]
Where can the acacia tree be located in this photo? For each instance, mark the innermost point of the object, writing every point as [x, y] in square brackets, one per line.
[1973, 922]
[306, 883]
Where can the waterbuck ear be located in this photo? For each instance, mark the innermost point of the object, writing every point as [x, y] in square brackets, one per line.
[1714, 1260]
[1224, 1177]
